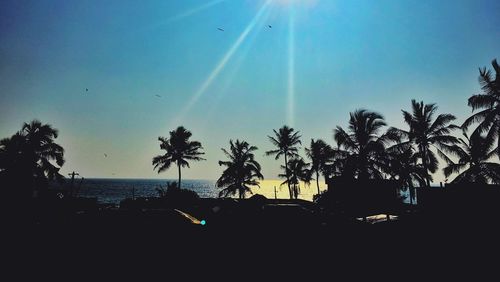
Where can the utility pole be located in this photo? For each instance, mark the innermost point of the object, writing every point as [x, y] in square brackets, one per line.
[72, 182]
[275, 195]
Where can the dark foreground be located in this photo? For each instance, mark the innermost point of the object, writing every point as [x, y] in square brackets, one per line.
[279, 241]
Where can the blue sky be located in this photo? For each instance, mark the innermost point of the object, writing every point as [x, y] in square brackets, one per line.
[345, 55]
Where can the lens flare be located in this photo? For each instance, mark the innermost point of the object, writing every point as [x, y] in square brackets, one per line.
[235, 68]
[194, 11]
[181, 16]
[222, 63]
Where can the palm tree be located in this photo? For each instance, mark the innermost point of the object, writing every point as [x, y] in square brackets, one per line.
[489, 101]
[27, 156]
[40, 143]
[362, 147]
[426, 133]
[286, 141]
[296, 171]
[242, 170]
[473, 165]
[179, 150]
[12, 155]
[403, 167]
[15, 167]
[319, 153]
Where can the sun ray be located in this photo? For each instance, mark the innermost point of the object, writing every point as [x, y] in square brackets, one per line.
[291, 67]
[181, 16]
[222, 63]
[235, 69]
[195, 10]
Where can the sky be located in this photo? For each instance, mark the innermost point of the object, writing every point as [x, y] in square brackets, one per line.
[319, 60]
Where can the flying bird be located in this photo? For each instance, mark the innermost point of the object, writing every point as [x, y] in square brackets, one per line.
[86, 90]
[221, 29]
[105, 155]
[270, 26]
[158, 96]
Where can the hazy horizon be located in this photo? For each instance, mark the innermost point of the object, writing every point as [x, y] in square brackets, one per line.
[305, 63]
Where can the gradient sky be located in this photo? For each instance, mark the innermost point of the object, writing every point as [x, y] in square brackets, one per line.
[332, 56]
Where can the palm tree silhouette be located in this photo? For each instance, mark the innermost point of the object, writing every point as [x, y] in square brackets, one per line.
[403, 166]
[15, 167]
[362, 147]
[319, 153]
[179, 150]
[473, 165]
[27, 156]
[40, 142]
[426, 132]
[242, 170]
[296, 171]
[12, 154]
[489, 102]
[286, 141]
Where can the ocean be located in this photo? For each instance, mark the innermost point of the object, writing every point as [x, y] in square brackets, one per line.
[112, 191]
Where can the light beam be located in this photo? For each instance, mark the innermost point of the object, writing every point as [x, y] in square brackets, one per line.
[222, 63]
[235, 69]
[194, 10]
[182, 15]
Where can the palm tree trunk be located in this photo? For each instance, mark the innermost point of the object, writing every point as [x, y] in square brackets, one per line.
[288, 178]
[498, 141]
[317, 180]
[423, 151]
[424, 163]
[363, 170]
[412, 191]
[179, 168]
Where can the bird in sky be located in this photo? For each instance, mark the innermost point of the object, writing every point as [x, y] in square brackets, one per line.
[86, 90]
[158, 96]
[221, 29]
[105, 155]
[270, 26]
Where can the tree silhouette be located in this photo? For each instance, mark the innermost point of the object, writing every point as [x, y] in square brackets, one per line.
[403, 166]
[320, 154]
[13, 157]
[426, 132]
[286, 141]
[27, 156]
[15, 166]
[242, 170]
[362, 147]
[40, 142]
[473, 164]
[296, 171]
[489, 101]
[179, 150]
